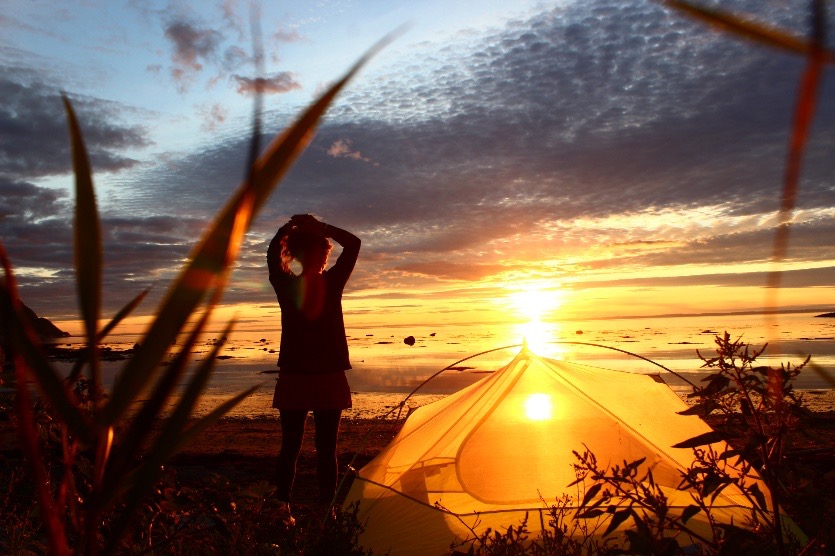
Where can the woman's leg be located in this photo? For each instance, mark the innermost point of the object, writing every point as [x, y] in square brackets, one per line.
[292, 433]
[327, 431]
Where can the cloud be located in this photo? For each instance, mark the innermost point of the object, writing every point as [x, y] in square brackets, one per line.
[452, 271]
[139, 252]
[213, 115]
[282, 82]
[229, 9]
[235, 57]
[193, 46]
[804, 278]
[283, 35]
[594, 137]
[585, 111]
[342, 148]
[23, 205]
[33, 130]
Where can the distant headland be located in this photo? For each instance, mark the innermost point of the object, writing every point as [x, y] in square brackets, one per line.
[826, 315]
[42, 326]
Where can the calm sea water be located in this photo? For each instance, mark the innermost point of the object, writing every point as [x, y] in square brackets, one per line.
[386, 369]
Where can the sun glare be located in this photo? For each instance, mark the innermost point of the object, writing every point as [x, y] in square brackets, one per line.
[536, 335]
[538, 407]
[534, 302]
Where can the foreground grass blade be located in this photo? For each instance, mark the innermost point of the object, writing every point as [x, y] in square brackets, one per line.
[25, 342]
[166, 442]
[19, 331]
[87, 239]
[212, 255]
[145, 478]
[142, 424]
[749, 29]
[804, 113]
[823, 373]
[194, 389]
[803, 116]
[104, 332]
[52, 514]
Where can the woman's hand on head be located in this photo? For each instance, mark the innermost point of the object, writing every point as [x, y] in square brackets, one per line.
[307, 222]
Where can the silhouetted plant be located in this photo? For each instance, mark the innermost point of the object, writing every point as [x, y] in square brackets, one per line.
[761, 413]
[515, 540]
[102, 438]
[213, 516]
[339, 534]
[565, 535]
[622, 493]
[20, 528]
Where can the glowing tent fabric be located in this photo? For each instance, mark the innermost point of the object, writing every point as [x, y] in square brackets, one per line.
[488, 454]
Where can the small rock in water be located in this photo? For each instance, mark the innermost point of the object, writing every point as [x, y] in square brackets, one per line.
[409, 340]
[579, 332]
[433, 334]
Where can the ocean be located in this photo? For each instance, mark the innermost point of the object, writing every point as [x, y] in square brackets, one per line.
[386, 369]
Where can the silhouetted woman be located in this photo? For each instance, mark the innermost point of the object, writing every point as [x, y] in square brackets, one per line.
[313, 355]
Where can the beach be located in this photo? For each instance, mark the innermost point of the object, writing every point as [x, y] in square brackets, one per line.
[244, 451]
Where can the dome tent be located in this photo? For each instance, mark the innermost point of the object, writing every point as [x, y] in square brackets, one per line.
[489, 454]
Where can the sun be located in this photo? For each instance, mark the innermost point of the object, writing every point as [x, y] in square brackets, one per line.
[534, 301]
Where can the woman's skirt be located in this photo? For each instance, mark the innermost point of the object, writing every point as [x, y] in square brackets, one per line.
[312, 391]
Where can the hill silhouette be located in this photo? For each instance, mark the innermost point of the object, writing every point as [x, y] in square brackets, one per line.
[45, 329]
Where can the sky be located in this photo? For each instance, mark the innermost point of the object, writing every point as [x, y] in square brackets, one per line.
[550, 159]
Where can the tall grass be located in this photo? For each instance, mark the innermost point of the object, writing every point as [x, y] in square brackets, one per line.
[109, 461]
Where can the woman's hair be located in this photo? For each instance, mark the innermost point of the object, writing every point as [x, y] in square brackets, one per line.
[296, 243]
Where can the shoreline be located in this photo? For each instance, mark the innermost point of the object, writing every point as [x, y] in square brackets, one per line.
[384, 405]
